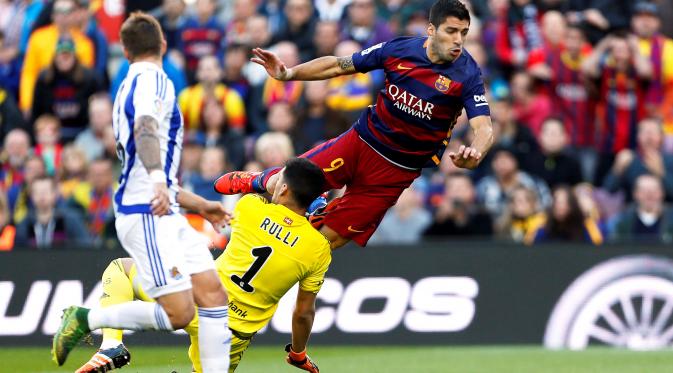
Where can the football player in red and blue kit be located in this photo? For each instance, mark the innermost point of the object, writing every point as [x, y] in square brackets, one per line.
[429, 80]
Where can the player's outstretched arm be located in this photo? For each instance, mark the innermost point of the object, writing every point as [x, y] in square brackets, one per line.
[212, 211]
[470, 156]
[302, 322]
[317, 69]
[149, 152]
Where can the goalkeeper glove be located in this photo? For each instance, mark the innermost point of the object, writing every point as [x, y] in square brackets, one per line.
[300, 360]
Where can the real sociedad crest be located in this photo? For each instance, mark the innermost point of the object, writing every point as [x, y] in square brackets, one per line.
[442, 84]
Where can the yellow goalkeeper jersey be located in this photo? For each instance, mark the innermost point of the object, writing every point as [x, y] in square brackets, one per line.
[271, 249]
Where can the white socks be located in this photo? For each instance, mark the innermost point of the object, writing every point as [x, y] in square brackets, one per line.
[214, 339]
[132, 316]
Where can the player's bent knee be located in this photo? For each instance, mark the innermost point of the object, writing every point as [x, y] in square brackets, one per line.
[127, 263]
[208, 290]
[179, 308]
[181, 319]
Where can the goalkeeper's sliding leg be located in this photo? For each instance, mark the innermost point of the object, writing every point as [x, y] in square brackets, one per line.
[119, 287]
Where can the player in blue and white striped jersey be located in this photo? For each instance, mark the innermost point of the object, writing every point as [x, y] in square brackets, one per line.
[173, 262]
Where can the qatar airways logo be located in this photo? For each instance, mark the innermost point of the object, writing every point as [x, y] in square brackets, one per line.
[409, 103]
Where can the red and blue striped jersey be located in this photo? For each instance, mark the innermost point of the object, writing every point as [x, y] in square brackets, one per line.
[571, 99]
[415, 112]
[621, 107]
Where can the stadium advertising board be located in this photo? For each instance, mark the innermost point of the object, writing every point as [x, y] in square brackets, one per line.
[564, 297]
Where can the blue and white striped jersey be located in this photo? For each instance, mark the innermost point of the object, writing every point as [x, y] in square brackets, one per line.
[145, 91]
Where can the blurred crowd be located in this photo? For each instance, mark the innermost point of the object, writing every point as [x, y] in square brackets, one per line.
[580, 92]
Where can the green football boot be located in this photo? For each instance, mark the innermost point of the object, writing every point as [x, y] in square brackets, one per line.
[74, 327]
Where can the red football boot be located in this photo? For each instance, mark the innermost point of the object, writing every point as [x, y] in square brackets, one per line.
[236, 182]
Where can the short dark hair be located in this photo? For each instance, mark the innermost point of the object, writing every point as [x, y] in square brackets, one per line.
[442, 9]
[304, 179]
[141, 35]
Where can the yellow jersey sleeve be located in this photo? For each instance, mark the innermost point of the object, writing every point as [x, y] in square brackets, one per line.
[313, 282]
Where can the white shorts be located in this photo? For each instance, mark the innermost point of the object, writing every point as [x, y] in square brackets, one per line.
[166, 249]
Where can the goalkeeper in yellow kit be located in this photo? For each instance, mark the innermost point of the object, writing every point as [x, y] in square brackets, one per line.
[272, 247]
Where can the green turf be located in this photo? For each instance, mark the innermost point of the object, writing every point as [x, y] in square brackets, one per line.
[373, 359]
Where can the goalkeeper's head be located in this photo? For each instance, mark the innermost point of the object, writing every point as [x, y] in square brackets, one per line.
[300, 182]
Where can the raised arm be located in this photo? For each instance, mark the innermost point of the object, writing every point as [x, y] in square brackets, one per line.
[317, 69]
[147, 145]
[591, 66]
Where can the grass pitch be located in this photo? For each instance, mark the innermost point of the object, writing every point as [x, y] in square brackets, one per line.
[370, 359]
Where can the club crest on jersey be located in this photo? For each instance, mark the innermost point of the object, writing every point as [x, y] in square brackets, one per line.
[443, 83]
[175, 273]
[287, 221]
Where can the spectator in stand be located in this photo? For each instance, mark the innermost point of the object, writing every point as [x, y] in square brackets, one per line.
[649, 220]
[48, 146]
[522, 216]
[326, 38]
[587, 198]
[10, 67]
[27, 13]
[42, 47]
[18, 196]
[73, 170]
[214, 131]
[171, 17]
[49, 225]
[213, 164]
[492, 190]
[90, 141]
[283, 118]
[15, 152]
[299, 28]
[518, 33]
[191, 100]
[598, 17]
[317, 122]
[530, 107]
[565, 222]
[87, 24]
[510, 134]
[273, 149]
[404, 223]
[93, 200]
[200, 36]
[363, 25]
[623, 76]
[648, 158]
[236, 30]
[235, 59]
[558, 65]
[331, 10]
[191, 156]
[554, 164]
[349, 94]
[458, 214]
[7, 230]
[272, 90]
[10, 115]
[646, 24]
[65, 88]
[257, 32]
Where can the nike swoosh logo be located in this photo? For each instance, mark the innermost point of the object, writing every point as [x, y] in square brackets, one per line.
[402, 67]
[350, 228]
